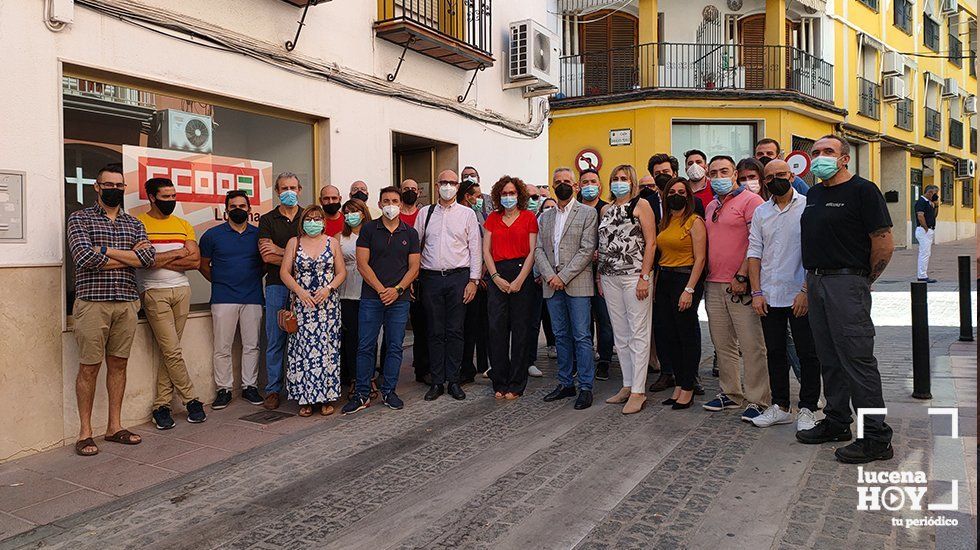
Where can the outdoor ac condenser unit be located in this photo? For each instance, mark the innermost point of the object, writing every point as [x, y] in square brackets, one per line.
[948, 7]
[966, 168]
[970, 105]
[533, 55]
[184, 131]
[951, 88]
[893, 63]
[893, 88]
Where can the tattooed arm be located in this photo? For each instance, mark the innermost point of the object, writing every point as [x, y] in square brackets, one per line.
[882, 247]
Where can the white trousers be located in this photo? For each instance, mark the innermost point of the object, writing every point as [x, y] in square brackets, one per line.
[925, 239]
[226, 319]
[631, 319]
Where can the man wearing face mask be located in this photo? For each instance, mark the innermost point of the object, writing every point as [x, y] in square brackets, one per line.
[846, 240]
[333, 222]
[766, 150]
[733, 324]
[359, 191]
[475, 328]
[589, 185]
[696, 162]
[420, 350]
[166, 294]
[107, 245]
[276, 227]
[469, 175]
[409, 190]
[925, 212]
[452, 265]
[230, 260]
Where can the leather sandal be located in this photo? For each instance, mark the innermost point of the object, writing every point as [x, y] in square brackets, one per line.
[80, 447]
[326, 410]
[125, 437]
[306, 410]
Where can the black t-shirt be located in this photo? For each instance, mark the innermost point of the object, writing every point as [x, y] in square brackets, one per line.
[273, 225]
[837, 223]
[389, 254]
[923, 205]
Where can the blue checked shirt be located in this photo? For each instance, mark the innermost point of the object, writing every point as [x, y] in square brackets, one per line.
[91, 227]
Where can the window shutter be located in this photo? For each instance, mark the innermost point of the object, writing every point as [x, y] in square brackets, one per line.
[607, 70]
[753, 34]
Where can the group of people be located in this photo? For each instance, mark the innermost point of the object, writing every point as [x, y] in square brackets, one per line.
[784, 271]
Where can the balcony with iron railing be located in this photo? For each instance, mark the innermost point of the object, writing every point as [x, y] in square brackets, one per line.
[934, 124]
[955, 133]
[702, 67]
[903, 114]
[457, 32]
[869, 98]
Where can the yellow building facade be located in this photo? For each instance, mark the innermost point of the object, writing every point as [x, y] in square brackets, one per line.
[896, 77]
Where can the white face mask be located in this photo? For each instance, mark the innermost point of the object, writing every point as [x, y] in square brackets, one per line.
[390, 211]
[447, 192]
[695, 172]
[752, 185]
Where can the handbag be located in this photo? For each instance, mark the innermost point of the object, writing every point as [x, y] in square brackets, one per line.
[287, 321]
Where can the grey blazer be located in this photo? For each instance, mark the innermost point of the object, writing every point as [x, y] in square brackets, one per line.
[575, 250]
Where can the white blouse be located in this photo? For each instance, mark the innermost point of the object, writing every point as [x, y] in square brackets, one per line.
[351, 289]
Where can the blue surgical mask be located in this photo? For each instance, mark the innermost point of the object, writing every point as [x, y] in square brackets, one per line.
[620, 188]
[508, 201]
[532, 204]
[824, 167]
[288, 198]
[353, 219]
[313, 227]
[590, 192]
[722, 186]
[479, 204]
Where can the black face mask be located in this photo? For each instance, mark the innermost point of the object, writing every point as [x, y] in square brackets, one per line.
[238, 215]
[166, 207]
[112, 197]
[646, 191]
[676, 202]
[563, 191]
[410, 196]
[662, 180]
[331, 208]
[765, 160]
[778, 186]
[360, 195]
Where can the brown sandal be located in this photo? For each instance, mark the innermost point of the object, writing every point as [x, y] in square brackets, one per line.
[326, 410]
[125, 437]
[306, 410]
[80, 447]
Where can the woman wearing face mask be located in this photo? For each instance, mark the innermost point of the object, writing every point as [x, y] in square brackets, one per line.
[750, 176]
[312, 269]
[508, 251]
[356, 213]
[682, 242]
[627, 244]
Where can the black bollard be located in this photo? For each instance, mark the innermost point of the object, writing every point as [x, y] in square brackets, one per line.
[966, 307]
[921, 385]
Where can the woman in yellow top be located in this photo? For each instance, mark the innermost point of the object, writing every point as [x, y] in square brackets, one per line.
[682, 241]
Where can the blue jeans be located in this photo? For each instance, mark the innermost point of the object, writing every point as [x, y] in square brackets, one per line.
[276, 298]
[570, 319]
[372, 315]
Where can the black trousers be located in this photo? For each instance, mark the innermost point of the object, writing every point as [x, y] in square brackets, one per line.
[774, 331]
[420, 347]
[677, 333]
[509, 330]
[442, 297]
[348, 340]
[844, 337]
[549, 333]
[535, 312]
[475, 337]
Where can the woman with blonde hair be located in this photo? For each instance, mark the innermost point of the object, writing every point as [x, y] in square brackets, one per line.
[627, 244]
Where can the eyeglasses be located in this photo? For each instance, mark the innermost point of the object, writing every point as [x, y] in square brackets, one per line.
[448, 182]
[739, 298]
[110, 185]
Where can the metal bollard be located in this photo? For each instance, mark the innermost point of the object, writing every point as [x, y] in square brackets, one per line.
[966, 307]
[921, 385]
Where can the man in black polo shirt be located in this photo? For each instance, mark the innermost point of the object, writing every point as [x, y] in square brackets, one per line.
[846, 243]
[388, 259]
[926, 209]
[276, 227]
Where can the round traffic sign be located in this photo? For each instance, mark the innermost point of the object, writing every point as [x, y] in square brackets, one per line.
[588, 158]
[799, 163]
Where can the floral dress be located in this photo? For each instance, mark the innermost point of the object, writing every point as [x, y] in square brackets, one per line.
[313, 355]
[621, 242]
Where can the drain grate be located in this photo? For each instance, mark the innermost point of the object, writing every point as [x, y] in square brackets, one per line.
[265, 417]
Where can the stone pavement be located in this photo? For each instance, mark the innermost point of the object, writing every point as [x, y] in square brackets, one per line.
[523, 474]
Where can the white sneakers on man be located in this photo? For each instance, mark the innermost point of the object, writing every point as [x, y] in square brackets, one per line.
[805, 420]
[534, 371]
[772, 416]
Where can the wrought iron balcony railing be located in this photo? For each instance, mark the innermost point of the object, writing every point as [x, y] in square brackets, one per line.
[457, 32]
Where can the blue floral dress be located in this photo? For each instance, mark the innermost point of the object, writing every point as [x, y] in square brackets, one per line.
[313, 355]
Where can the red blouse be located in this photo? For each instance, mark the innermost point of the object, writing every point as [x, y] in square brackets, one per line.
[510, 242]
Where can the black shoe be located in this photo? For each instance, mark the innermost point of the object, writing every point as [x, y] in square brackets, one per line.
[195, 412]
[678, 406]
[928, 280]
[668, 401]
[392, 401]
[222, 399]
[561, 392]
[163, 418]
[456, 392]
[424, 379]
[584, 400]
[435, 390]
[863, 451]
[698, 389]
[824, 432]
[355, 403]
[251, 394]
[663, 382]
[602, 371]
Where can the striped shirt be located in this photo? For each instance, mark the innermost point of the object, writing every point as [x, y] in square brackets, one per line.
[167, 234]
[91, 227]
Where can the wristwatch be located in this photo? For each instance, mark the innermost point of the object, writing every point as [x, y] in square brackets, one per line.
[645, 277]
[103, 250]
[689, 290]
[399, 290]
[741, 278]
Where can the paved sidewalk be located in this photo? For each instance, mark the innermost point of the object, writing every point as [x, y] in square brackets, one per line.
[523, 474]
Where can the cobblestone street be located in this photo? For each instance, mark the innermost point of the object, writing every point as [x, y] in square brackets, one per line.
[528, 474]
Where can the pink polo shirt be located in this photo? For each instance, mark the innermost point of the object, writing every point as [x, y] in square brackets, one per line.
[728, 234]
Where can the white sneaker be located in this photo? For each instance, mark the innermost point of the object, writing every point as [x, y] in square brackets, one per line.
[534, 371]
[821, 403]
[552, 352]
[772, 416]
[486, 373]
[805, 420]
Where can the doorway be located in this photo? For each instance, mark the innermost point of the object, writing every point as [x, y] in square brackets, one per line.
[421, 159]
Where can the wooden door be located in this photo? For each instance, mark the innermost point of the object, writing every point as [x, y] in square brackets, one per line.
[752, 31]
[608, 50]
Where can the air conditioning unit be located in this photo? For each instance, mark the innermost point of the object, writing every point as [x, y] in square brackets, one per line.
[893, 64]
[951, 88]
[184, 131]
[893, 88]
[533, 57]
[966, 168]
[970, 105]
[948, 7]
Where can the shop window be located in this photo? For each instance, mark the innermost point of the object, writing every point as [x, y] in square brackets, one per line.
[206, 148]
[734, 139]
